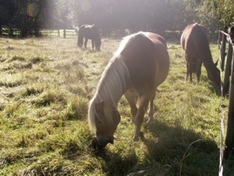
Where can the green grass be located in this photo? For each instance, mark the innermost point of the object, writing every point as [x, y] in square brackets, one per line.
[45, 86]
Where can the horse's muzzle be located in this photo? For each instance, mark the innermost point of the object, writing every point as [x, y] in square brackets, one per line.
[100, 144]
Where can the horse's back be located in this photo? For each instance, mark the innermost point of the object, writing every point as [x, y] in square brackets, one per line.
[161, 55]
[194, 41]
[90, 31]
[147, 59]
[156, 38]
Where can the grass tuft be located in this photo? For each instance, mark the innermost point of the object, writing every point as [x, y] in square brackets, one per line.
[48, 97]
[32, 90]
[77, 109]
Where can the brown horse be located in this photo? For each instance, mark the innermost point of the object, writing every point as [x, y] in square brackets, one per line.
[89, 32]
[197, 51]
[138, 67]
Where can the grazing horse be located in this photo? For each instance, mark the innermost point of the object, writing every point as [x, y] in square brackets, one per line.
[89, 32]
[197, 51]
[138, 67]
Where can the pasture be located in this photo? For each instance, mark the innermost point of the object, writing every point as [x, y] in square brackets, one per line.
[45, 85]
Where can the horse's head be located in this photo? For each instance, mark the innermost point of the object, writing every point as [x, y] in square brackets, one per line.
[106, 120]
[215, 77]
[98, 44]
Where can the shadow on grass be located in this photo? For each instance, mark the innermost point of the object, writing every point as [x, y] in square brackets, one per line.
[115, 164]
[183, 151]
[228, 165]
[170, 151]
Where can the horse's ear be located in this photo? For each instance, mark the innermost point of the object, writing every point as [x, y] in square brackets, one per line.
[216, 63]
[99, 106]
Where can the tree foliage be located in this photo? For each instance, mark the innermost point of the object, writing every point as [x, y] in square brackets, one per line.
[112, 15]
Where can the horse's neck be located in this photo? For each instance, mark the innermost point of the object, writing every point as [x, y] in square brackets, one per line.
[114, 81]
[208, 62]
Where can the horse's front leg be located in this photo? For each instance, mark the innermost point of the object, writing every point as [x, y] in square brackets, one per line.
[142, 103]
[131, 98]
[93, 44]
[86, 40]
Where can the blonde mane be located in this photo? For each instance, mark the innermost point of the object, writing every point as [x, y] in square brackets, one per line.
[112, 85]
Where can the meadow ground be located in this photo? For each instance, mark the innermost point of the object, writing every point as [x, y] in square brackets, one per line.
[45, 85]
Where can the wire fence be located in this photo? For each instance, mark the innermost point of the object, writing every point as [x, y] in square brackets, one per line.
[63, 33]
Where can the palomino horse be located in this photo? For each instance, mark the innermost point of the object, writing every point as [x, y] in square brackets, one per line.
[138, 67]
[89, 32]
[197, 51]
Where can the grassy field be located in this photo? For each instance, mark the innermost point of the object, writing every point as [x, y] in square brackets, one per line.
[44, 88]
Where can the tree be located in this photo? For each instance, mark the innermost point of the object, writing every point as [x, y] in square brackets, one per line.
[217, 11]
[7, 10]
[112, 15]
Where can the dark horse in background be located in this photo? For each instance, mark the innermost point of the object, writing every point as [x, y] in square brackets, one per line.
[197, 52]
[89, 32]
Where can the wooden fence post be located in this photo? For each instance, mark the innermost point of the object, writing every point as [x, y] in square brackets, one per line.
[229, 142]
[220, 37]
[227, 74]
[223, 48]
[64, 33]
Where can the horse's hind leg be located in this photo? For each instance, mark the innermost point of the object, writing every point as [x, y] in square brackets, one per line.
[189, 74]
[131, 98]
[198, 71]
[92, 44]
[188, 65]
[151, 108]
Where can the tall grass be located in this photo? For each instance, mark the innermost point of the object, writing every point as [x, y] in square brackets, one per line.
[45, 88]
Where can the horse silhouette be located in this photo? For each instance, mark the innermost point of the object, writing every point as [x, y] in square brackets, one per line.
[89, 32]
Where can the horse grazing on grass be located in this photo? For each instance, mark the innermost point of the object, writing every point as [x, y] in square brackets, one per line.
[89, 32]
[197, 51]
[138, 67]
